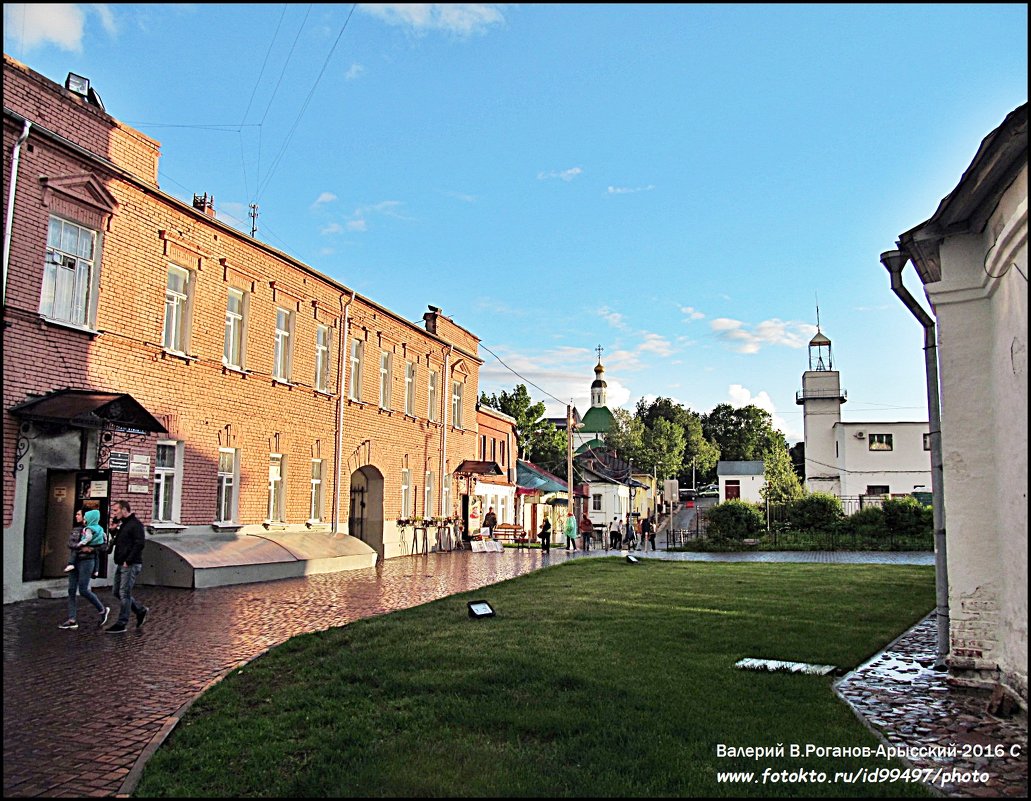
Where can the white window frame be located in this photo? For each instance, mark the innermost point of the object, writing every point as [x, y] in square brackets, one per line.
[70, 273]
[445, 495]
[236, 327]
[457, 395]
[354, 387]
[596, 502]
[386, 373]
[315, 506]
[428, 494]
[282, 356]
[276, 489]
[175, 334]
[410, 389]
[167, 505]
[322, 358]
[406, 493]
[432, 382]
[227, 484]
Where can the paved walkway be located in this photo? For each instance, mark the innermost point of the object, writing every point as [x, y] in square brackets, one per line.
[145, 678]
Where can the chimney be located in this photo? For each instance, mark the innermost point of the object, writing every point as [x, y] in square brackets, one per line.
[205, 204]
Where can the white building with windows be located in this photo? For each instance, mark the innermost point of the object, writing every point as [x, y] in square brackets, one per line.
[856, 459]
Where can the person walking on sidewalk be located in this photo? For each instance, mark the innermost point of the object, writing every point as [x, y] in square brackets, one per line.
[570, 532]
[84, 564]
[647, 534]
[546, 536]
[128, 565]
[586, 530]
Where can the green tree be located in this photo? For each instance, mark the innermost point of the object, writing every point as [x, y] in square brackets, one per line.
[797, 452]
[743, 434]
[627, 436]
[782, 484]
[528, 415]
[663, 448]
[698, 452]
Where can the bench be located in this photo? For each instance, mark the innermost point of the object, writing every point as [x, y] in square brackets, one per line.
[510, 531]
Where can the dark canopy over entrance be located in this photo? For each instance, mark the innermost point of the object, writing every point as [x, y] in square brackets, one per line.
[86, 408]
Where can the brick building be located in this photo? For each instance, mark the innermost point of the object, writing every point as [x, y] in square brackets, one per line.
[262, 418]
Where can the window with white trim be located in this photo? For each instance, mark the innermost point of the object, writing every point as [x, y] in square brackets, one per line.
[596, 502]
[457, 390]
[232, 352]
[316, 491]
[354, 388]
[167, 474]
[386, 369]
[275, 488]
[68, 274]
[322, 358]
[410, 389]
[445, 495]
[178, 289]
[406, 493]
[228, 470]
[431, 390]
[927, 442]
[428, 510]
[282, 356]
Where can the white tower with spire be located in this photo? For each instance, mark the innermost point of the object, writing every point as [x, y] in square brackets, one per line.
[599, 387]
[821, 398]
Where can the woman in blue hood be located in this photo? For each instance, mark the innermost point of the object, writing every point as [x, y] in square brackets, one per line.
[83, 565]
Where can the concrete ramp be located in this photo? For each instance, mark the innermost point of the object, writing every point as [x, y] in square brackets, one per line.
[216, 560]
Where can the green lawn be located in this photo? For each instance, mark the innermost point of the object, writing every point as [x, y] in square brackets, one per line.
[596, 678]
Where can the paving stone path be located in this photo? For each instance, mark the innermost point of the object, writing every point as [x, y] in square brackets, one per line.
[61, 741]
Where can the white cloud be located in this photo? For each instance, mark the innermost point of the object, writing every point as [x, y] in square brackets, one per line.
[357, 225]
[463, 197]
[33, 24]
[655, 343]
[565, 175]
[461, 19]
[613, 318]
[691, 313]
[769, 332]
[325, 197]
[332, 228]
[741, 396]
[354, 71]
[629, 190]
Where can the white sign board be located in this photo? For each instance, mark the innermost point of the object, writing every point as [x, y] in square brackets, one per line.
[670, 489]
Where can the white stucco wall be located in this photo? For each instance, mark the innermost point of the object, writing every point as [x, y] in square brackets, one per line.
[615, 502]
[751, 486]
[820, 414]
[901, 469]
[981, 310]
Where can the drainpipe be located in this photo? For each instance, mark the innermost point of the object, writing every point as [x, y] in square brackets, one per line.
[15, 159]
[338, 446]
[445, 382]
[895, 262]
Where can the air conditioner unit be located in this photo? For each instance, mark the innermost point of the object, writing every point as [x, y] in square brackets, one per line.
[860, 435]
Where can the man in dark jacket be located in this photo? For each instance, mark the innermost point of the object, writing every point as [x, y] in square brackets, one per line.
[129, 543]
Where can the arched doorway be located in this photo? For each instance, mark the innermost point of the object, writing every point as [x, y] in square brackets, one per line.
[365, 513]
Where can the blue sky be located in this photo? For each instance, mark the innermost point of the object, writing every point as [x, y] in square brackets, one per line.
[679, 184]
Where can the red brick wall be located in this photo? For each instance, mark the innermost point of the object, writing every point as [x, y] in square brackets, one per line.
[202, 403]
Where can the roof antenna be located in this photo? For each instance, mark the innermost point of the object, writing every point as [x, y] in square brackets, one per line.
[817, 294]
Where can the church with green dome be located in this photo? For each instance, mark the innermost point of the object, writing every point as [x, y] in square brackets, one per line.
[596, 424]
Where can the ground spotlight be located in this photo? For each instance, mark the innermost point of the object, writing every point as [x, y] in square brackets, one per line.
[478, 609]
[633, 560]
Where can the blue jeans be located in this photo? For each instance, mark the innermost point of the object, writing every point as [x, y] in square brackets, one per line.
[125, 578]
[79, 580]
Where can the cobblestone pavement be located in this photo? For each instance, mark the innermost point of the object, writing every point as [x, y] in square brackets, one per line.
[63, 741]
[914, 707]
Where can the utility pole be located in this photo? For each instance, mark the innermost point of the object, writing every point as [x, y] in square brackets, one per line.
[254, 218]
[569, 454]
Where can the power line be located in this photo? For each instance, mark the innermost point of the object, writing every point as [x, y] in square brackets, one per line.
[528, 381]
[307, 100]
[261, 72]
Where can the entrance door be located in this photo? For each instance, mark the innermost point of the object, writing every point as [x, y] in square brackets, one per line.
[733, 490]
[60, 517]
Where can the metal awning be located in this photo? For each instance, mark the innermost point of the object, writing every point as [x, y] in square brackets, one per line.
[86, 408]
[471, 467]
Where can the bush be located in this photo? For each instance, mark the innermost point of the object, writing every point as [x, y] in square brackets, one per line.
[907, 517]
[867, 523]
[818, 511]
[734, 520]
